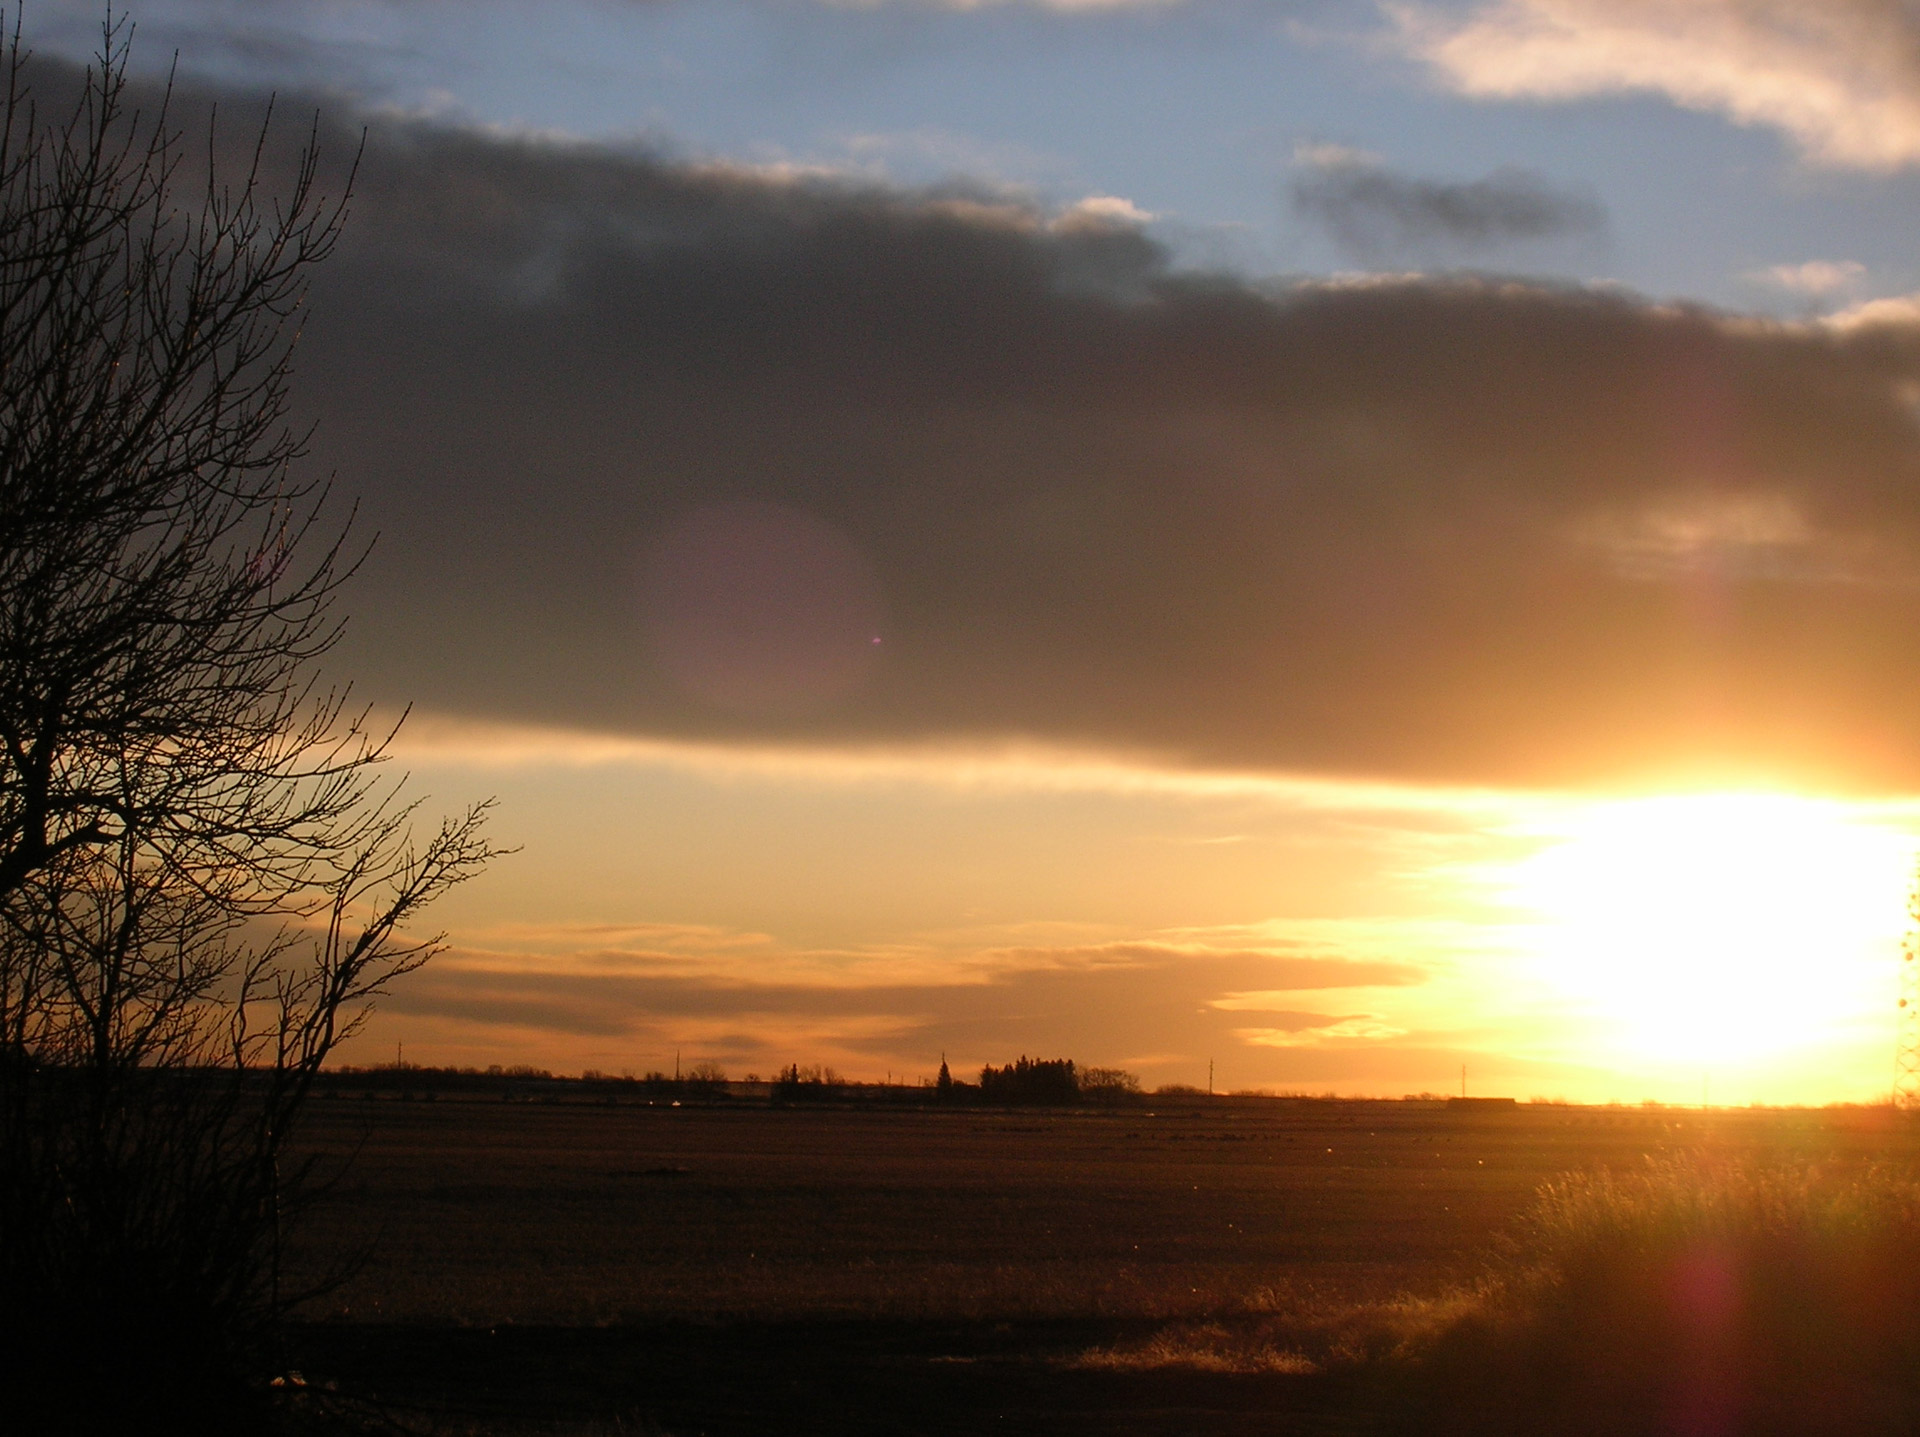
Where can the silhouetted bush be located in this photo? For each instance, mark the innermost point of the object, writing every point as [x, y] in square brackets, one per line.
[137, 1231]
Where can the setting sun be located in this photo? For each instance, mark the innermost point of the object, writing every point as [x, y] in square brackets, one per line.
[1719, 928]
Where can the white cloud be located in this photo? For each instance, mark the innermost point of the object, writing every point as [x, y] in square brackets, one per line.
[1102, 211]
[1815, 278]
[1899, 311]
[1841, 78]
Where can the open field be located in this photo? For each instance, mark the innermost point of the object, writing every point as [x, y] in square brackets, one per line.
[753, 1253]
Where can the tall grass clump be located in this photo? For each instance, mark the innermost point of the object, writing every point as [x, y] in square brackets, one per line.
[1699, 1295]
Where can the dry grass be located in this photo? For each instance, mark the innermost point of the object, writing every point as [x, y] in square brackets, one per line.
[1689, 1198]
[1199, 1347]
[1298, 1333]
[1695, 1291]
[1700, 1292]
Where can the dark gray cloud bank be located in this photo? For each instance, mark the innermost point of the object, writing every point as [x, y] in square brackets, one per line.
[693, 451]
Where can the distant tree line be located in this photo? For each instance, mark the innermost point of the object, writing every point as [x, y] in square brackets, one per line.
[1025, 1082]
[700, 1082]
[1037, 1082]
[1050, 1082]
[810, 1084]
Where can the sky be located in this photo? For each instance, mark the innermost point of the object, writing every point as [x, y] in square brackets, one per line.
[1372, 546]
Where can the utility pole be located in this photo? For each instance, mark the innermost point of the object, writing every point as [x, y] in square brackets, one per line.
[1209, 1077]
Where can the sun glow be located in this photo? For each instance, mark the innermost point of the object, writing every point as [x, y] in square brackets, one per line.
[1720, 928]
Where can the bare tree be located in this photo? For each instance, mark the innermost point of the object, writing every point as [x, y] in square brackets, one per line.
[203, 878]
[1108, 1086]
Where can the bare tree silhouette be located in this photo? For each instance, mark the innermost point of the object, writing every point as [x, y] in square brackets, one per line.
[203, 876]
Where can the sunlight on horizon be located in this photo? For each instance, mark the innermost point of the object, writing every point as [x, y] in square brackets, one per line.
[1598, 948]
[1719, 928]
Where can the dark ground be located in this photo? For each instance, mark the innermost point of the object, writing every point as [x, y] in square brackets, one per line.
[598, 1269]
[735, 1379]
